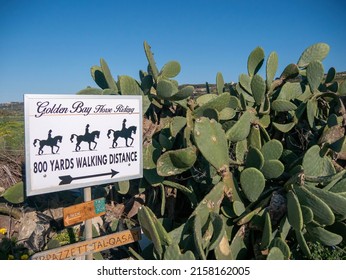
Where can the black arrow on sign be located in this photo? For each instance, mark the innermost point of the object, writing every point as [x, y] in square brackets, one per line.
[67, 179]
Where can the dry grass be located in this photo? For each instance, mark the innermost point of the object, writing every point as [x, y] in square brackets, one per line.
[10, 169]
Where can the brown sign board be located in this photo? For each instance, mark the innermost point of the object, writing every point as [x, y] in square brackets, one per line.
[90, 246]
[78, 213]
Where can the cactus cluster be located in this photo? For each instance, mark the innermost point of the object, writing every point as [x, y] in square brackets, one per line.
[257, 164]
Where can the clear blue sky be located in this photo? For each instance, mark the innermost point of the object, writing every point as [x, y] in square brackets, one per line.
[49, 46]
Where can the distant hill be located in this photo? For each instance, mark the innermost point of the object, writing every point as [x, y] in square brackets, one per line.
[12, 108]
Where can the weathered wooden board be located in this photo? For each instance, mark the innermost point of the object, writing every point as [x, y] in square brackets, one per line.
[81, 212]
[90, 246]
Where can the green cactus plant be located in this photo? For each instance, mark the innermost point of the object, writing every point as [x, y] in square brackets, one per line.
[258, 162]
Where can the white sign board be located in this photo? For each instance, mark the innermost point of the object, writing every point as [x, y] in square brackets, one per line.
[75, 141]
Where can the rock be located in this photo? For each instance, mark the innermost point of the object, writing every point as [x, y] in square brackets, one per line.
[34, 231]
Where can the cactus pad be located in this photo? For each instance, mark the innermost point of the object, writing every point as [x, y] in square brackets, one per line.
[254, 158]
[177, 125]
[302, 243]
[108, 76]
[15, 193]
[272, 149]
[98, 76]
[324, 236]
[271, 67]
[283, 105]
[314, 74]
[315, 52]
[176, 161]
[245, 82]
[220, 83]
[170, 69]
[252, 182]
[217, 103]
[335, 201]
[294, 211]
[258, 89]
[166, 88]
[151, 61]
[272, 168]
[282, 245]
[255, 61]
[254, 138]
[211, 141]
[316, 165]
[322, 212]
[291, 71]
[241, 129]
[275, 254]
[267, 231]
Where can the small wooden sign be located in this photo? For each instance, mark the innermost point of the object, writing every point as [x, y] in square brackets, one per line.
[90, 246]
[80, 212]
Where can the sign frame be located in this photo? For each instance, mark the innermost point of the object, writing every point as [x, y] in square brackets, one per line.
[63, 114]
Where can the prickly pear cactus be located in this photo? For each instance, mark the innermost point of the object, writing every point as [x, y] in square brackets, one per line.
[252, 170]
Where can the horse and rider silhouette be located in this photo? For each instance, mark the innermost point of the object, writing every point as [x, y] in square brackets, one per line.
[51, 142]
[123, 133]
[88, 137]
